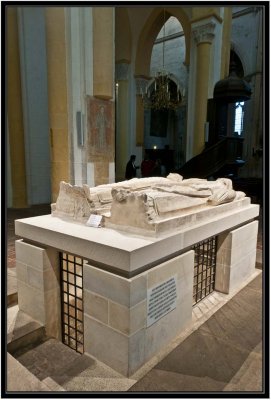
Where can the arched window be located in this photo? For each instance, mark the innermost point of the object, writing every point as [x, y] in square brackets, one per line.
[238, 118]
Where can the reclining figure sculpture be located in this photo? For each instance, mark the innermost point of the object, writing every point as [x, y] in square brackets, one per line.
[146, 204]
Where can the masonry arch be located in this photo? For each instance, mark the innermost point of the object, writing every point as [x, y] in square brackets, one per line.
[149, 33]
[241, 55]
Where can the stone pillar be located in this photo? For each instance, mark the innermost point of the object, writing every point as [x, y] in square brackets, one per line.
[38, 285]
[103, 38]
[226, 42]
[141, 84]
[203, 36]
[236, 257]
[57, 96]
[122, 119]
[15, 113]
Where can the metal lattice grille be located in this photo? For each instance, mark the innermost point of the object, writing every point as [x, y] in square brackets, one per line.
[204, 268]
[72, 301]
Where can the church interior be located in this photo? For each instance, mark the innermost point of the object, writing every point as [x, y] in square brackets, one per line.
[175, 89]
[83, 95]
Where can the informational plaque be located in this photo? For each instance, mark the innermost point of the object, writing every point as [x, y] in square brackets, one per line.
[161, 299]
[94, 220]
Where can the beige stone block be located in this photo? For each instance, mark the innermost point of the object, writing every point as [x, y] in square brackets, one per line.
[167, 328]
[219, 224]
[104, 283]
[119, 317]
[35, 278]
[229, 277]
[125, 252]
[242, 270]
[21, 271]
[106, 344]
[137, 354]
[241, 250]
[127, 320]
[51, 279]
[51, 258]
[229, 256]
[179, 266]
[223, 256]
[224, 241]
[138, 289]
[138, 317]
[124, 291]
[31, 301]
[240, 236]
[245, 234]
[222, 278]
[96, 306]
[52, 309]
[185, 286]
[51, 269]
[29, 254]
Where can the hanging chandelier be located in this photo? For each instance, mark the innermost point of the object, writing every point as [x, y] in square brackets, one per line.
[163, 93]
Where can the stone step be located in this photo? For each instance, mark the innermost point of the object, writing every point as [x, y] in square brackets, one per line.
[23, 331]
[20, 379]
[52, 359]
[12, 299]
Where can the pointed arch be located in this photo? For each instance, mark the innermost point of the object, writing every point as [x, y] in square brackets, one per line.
[150, 31]
[241, 54]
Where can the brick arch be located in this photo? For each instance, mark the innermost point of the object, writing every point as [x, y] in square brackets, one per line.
[150, 31]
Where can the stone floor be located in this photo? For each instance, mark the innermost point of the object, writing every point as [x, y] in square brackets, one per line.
[223, 354]
[220, 352]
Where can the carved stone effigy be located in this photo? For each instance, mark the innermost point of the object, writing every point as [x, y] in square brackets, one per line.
[78, 203]
[147, 205]
[71, 203]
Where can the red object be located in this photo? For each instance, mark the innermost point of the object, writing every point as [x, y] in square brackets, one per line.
[146, 168]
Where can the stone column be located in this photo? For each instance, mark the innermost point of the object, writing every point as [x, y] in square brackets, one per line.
[203, 35]
[103, 52]
[141, 84]
[122, 118]
[15, 113]
[57, 96]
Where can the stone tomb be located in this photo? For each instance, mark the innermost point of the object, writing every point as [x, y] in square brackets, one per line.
[137, 278]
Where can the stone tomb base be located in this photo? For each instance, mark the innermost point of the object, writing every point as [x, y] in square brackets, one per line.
[116, 321]
[137, 291]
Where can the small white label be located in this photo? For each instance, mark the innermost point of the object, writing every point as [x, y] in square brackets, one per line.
[161, 299]
[94, 220]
